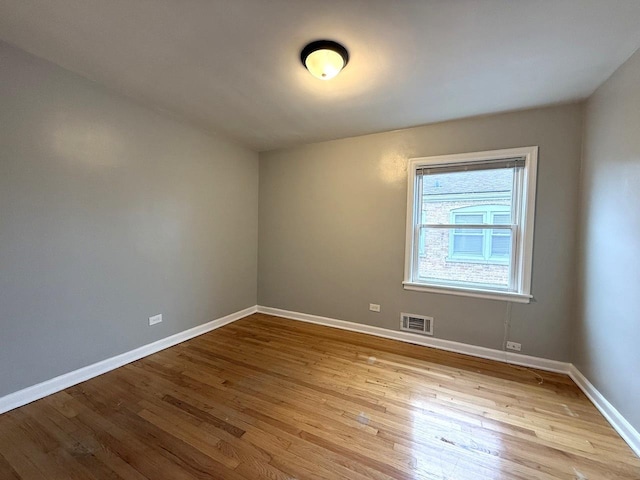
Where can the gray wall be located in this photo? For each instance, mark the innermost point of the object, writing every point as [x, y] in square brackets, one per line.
[332, 229]
[607, 340]
[110, 213]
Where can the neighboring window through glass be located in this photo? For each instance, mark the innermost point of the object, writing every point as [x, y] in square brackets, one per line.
[467, 241]
[500, 239]
[475, 244]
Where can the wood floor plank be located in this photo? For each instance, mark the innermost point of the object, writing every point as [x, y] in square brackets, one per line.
[270, 398]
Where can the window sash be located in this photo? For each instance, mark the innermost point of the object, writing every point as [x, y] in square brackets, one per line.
[484, 229]
[512, 285]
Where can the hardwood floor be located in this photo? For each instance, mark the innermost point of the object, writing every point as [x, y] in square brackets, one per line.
[268, 398]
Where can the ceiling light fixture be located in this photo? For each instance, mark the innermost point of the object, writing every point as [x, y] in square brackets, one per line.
[324, 58]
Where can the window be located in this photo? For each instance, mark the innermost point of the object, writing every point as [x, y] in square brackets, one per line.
[486, 246]
[470, 220]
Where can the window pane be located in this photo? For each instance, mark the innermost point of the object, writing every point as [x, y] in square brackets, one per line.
[502, 218]
[443, 193]
[468, 244]
[462, 218]
[473, 241]
[436, 265]
[501, 239]
[501, 243]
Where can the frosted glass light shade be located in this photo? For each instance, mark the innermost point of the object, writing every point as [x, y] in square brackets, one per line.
[324, 64]
[324, 58]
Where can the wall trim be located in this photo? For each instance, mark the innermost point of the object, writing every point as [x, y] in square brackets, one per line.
[448, 345]
[628, 433]
[54, 385]
[613, 416]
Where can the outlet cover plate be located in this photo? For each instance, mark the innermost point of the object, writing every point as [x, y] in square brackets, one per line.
[515, 346]
[155, 319]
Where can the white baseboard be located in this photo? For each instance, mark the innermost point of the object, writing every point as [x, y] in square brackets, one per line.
[48, 387]
[448, 345]
[617, 421]
[613, 416]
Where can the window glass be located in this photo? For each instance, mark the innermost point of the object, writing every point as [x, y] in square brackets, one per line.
[468, 215]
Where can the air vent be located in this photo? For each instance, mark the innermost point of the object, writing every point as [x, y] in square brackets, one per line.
[416, 323]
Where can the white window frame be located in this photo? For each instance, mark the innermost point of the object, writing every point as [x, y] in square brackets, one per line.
[523, 231]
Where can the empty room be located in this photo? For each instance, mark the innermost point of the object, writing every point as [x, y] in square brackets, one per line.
[305, 239]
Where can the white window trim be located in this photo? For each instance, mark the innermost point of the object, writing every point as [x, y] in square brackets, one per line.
[527, 212]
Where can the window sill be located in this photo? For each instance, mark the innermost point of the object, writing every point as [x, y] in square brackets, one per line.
[469, 292]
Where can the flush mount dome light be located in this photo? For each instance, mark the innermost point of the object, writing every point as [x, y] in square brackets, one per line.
[324, 58]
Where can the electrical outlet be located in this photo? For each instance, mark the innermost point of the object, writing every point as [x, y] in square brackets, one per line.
[155, 319]
[374, 307]
[514, 346]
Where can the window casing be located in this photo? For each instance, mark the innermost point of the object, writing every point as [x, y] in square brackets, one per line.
[470, 220]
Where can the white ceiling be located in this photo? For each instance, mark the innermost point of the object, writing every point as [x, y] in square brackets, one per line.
[232, 66]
